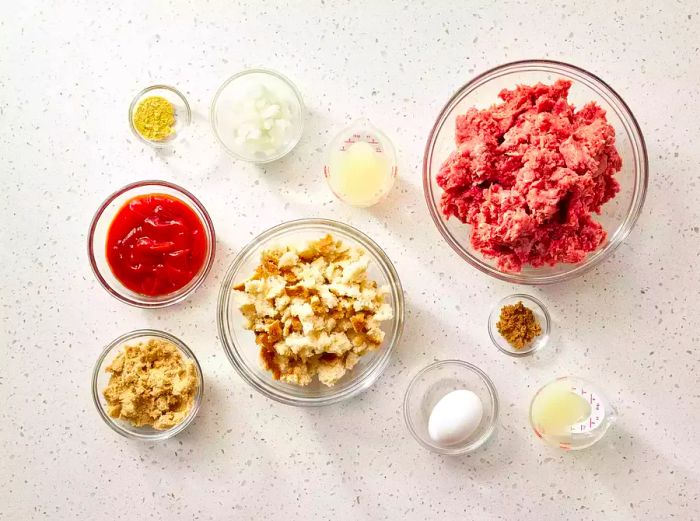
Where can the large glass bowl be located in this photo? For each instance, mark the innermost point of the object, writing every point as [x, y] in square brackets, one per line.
[239, 343]
[618, 215]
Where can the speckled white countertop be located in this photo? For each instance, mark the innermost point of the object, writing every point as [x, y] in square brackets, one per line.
[68, 71]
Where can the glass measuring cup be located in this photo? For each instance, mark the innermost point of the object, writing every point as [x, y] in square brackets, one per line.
[360, 164]
[571, 413]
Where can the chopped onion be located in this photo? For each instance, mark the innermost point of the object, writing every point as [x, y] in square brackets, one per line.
[262, 119]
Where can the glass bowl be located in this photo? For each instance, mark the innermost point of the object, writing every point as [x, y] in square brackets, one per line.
[588, 429]
[97, 236]
[431, 384]
[618, 215]
[232, 91]
[100, 379]
[540, 312]
[339, 160]
[183, 114]
[240, 345]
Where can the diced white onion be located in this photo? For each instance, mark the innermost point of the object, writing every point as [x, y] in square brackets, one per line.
[261, 120]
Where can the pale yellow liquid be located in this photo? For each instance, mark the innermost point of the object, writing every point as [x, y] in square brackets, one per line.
[555, 409]
[360, 175]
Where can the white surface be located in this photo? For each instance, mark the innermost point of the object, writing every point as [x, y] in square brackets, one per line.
[67, 74]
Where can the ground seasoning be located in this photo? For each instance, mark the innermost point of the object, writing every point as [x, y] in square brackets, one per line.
[154, 118]
[518, 325]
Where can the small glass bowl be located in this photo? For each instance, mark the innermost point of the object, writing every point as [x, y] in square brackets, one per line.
[431, 384]
[244, 353]
[97, 237]
[224, 100]
[589, 431]
[100, 379]
[618, 215]
[540, 312]
[183, 114]
[360, 131]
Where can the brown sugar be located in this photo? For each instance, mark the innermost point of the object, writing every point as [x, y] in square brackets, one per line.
[151, 384]
[518, 325]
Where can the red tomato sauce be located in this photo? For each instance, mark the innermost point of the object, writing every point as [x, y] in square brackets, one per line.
[156, 244]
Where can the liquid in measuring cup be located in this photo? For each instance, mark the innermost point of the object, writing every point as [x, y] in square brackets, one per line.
[570, 413]
[361, 165]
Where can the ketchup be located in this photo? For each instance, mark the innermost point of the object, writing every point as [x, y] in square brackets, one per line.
[156, 244]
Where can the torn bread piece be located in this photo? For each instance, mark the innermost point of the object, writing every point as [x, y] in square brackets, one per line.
[313, 310]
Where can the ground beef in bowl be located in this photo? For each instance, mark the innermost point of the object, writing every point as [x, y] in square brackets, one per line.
[527, 175]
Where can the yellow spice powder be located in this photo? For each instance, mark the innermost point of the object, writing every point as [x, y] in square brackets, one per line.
[154, 118]
[151, 384]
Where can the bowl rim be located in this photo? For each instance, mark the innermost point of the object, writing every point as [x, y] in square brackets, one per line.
[176, 296]
[385, 350]
[166, 142]
[452, 451]
[269, 72]
[158, 435]
[641, 169]
[546, 332]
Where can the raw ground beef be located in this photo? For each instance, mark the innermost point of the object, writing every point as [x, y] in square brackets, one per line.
[527, 174]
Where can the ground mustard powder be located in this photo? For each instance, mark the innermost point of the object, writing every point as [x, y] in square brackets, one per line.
[154, 118]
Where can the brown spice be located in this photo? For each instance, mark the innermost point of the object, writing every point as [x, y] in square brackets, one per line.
[518, 325]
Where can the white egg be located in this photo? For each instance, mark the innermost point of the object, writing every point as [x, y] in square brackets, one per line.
[455, 417]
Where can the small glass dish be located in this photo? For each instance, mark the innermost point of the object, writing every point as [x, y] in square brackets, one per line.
[570, 393]
[183, 114]
[231, 93]
[356, 151]
[618, 215]
[431, 384]
[541, 314]
[239, 343]
[97, 237]
[100, 379]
